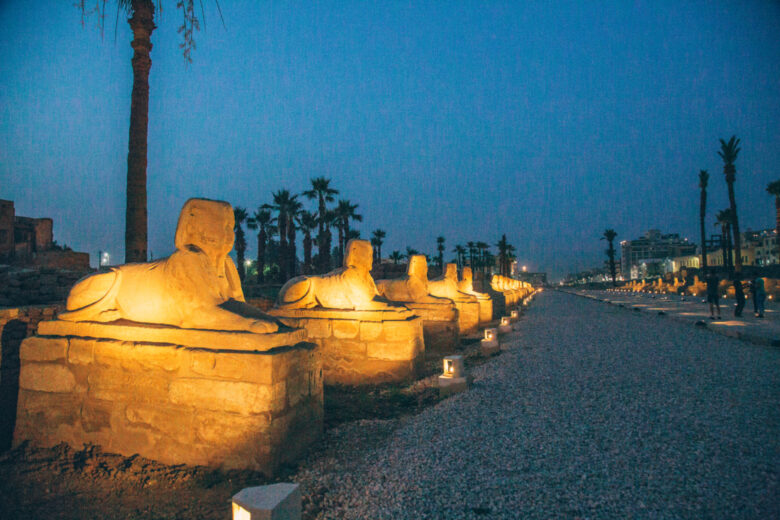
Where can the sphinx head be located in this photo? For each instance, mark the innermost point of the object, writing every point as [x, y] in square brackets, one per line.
[451, 272]
[418, 268]
[206, 225]
[360, 255]
[467, 276]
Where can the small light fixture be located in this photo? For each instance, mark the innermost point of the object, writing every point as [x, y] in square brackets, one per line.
[515, 315]
[490, 334]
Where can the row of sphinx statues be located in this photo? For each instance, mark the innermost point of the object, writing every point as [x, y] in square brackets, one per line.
[197, 287]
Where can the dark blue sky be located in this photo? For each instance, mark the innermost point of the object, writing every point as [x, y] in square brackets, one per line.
[549, 121]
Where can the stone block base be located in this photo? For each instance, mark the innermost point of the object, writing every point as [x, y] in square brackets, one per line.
[362, 347]
[503, 329]
[489, 347]
[170, 402]
[440, 325]
[468, 317]
[485, 310]
[452, 385]
[272, 502]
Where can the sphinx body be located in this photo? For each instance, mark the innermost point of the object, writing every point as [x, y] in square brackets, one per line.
[197, 287]
[446, 286]
[350, 287]
[412, 288]
[466, 286]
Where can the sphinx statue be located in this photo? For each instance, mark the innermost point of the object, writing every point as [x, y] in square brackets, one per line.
[410, 288]
[197, 287]
[349, 287]
[466, 286]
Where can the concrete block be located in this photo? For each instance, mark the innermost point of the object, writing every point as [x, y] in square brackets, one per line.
[272, 502]
[451, 385]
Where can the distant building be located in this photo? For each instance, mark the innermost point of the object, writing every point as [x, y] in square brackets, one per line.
[648, 253]
[30, 242]
[535, 279]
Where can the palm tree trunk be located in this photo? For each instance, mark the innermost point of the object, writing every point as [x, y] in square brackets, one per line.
[307, 253]
[282, 260]
[341, 243]
[142, 25]
[291, 254]
[702, 214]
[738, 293]
[261, 239]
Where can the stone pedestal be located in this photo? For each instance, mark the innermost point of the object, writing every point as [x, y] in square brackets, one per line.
[499, 302]
[440, 325]
[468, 316]
[272, 502]
[488, 347]
[485, 310]
[362, 347]
[179, 396]
[452, 385]
[505, 325]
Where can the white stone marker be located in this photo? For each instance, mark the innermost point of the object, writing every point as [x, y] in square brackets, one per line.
[505, 325]
[453, 379]
[489, 344]
[272, 502]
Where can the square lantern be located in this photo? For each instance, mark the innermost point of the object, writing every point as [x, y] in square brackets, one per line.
[489, 344]
[515, 315]
[505, 325]
[453, 379]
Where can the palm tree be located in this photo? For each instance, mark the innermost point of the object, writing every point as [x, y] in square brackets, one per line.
[293, 210]
[482, 248]
[141, 20]
[728, 152]
[410, 252]
[377, 239]
[286, 206]
[704, 178]
[345, 211]
[471, 247]
[240, 215]
[321, 190]
[262, 222]
[440, 249]
[307, 222]
[609, 236]
[774, 189]
[723, 219]
[396, 257]
[460, 251]
[504, 252]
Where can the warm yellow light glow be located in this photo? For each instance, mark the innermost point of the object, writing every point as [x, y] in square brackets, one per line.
[449, 366]
[489, 334]
[505, 320]
[239, 513]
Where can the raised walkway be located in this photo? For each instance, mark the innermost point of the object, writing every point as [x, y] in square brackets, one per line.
[595, 412]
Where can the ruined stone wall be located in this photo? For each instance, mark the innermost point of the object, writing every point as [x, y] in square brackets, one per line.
[19, 287]
[15, 325]
[175, 404]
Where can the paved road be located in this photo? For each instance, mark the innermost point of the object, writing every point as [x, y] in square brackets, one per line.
[597, 412]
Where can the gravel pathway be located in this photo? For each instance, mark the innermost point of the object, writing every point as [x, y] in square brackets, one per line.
[597, 413]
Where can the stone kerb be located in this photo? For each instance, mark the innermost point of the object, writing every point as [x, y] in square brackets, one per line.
[172, 403]
[362, 347]
[440, 325]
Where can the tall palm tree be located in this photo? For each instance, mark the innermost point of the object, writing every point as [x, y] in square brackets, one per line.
[377, 239]
[345, 211]
[504, 253]
[321, 190]
[141, 20]
[240, 216]
[410, 252]
[307, 222]
[262, 222]
[482, 247]
[471, 248]
[440, 249]
[729, 152]
[723, 219]
[285, 205]
[609, 236]
[396, 257]
[774, 189]
[704, 178]
[460, 251]
[293, 210]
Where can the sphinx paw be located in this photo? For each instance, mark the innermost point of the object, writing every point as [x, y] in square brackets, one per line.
[263, 327]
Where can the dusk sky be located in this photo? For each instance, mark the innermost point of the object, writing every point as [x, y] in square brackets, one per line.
[547, 121]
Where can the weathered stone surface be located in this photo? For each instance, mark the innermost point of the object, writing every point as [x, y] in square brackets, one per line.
[346, 329]
[46, 378]
[80, 351]
[42, 349]
[370, 330]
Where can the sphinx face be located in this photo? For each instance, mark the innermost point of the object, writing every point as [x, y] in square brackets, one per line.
[468, 277]
[360, 255]
[418, 268]
[207, 225]
[452, 272]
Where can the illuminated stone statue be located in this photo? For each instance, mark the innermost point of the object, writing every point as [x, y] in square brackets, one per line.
[466, 286]
[410, 288]
[197, 287]
[446, 286]
[349, 287]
